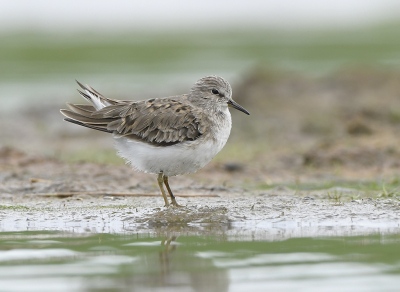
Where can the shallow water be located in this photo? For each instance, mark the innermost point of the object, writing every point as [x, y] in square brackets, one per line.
[56, 261]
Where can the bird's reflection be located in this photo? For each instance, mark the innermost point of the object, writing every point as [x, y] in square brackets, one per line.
[165, 255]
[175, 268]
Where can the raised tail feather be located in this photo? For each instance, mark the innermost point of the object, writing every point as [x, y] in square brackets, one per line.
[95, 98]
[82, 114]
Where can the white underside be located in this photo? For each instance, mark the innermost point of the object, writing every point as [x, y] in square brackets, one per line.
[182, 158]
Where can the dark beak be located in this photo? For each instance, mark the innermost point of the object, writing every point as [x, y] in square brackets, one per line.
[237, 106]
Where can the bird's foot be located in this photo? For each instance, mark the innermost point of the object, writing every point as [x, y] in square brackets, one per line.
[175, 204]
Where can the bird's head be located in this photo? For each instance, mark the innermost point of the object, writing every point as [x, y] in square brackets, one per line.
[213, 91]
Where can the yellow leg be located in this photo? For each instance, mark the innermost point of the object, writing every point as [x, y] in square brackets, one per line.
[174, 203]
[160, 184]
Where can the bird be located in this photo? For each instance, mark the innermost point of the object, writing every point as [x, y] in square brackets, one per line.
[166, 136]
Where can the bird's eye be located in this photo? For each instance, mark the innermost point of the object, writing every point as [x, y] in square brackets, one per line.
[214, 91]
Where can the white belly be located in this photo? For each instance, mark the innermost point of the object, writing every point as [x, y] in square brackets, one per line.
[182, 158]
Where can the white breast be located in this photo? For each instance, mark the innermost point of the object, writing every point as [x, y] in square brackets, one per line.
[182, 158]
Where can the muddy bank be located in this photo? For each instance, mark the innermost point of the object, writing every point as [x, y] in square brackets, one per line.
[38, 193]
[273, 215]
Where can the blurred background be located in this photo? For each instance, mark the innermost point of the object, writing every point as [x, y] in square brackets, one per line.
[320, 78]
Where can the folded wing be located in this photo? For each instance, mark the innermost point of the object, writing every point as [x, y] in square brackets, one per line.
[161, 121]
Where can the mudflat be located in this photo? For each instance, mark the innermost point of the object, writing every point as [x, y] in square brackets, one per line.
[40, 193]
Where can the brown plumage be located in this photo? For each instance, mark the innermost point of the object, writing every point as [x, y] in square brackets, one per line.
[165, 136]
[160, 121]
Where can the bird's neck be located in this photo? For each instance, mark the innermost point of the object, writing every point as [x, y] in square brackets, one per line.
[206, 105]
[222, 124]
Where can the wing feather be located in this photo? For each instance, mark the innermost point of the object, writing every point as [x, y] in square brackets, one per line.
[161, 121]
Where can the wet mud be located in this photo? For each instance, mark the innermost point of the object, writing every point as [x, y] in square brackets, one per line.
[87, 197]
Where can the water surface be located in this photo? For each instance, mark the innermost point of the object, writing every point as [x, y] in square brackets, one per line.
[58, 261]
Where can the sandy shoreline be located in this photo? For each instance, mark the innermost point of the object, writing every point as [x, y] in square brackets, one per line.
[209, 207]
[273, 215]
